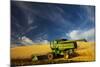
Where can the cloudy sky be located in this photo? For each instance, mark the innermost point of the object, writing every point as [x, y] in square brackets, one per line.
[42, 22]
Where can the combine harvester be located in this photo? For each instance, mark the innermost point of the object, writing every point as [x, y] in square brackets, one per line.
[63, 47]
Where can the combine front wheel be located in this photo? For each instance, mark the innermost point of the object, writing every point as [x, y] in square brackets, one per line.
[50, 56]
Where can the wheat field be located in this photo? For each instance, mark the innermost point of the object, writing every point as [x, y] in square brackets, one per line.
[85, 51]
[27, 51]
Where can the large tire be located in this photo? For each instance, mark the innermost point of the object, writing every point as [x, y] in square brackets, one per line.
[50, 56]
[70, 51]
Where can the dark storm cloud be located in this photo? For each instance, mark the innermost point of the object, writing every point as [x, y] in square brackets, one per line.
[39, 21]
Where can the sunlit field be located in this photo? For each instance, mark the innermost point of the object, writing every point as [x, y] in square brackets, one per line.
[85, 51]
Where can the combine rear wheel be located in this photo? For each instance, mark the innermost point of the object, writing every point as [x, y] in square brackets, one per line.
[66, 56]
[71, 53]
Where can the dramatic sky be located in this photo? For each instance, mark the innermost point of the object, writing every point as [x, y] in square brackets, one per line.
[42, 22]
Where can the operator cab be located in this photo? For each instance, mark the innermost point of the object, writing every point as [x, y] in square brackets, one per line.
[61, 40]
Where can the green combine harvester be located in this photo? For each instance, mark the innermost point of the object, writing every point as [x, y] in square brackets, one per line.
[60, 47]
[63, 47]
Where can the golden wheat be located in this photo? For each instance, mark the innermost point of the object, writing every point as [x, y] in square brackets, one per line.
[86, 51]
[27, 51]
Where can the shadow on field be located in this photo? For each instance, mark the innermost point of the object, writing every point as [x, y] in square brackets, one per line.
[42, 60]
